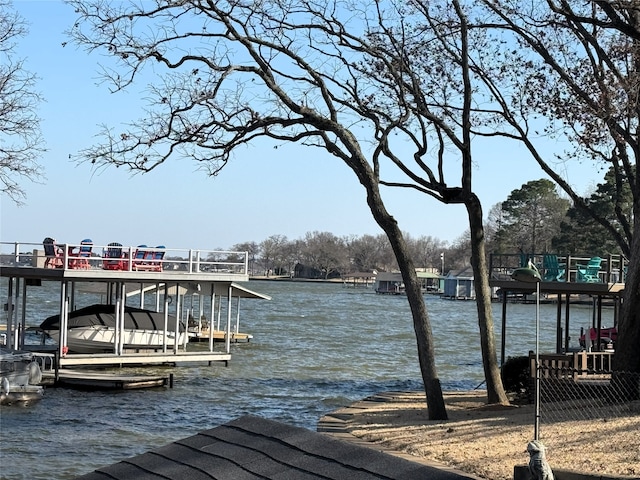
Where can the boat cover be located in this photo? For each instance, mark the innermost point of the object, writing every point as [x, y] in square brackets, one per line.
[104, 314]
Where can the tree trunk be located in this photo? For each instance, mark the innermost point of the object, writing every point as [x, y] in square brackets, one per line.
[495, 389]
[422, 327]
[421, 324]
[627, 354]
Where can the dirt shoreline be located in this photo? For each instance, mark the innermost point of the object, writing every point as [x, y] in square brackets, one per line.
[489, 440]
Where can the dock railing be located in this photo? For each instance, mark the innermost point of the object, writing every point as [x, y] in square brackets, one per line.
[612, 269]
[132, 259]
[573, 366]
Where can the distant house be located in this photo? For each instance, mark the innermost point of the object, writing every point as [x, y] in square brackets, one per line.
[458, 284]
[391, 283]
[359, 279]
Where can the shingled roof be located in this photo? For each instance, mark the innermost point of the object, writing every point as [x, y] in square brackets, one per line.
[252, 447]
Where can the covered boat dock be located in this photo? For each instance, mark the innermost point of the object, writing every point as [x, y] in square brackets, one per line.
[214, 274]
[606, 286]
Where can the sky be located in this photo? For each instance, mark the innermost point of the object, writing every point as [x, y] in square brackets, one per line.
[262, 192]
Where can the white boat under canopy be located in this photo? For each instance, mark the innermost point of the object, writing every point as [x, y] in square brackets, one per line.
[94, 329]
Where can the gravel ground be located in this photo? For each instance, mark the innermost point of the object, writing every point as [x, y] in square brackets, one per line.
[489, 440]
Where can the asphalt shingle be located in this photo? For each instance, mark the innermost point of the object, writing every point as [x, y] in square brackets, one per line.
[251, 448]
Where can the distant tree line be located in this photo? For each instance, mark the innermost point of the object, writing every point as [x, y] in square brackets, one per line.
[533, 219]
[323, 255]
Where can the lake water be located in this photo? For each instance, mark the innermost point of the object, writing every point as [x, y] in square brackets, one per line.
[316, 347]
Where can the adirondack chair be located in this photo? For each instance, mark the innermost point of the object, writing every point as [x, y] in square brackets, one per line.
[54, 254]
[553, 271]
[158, 257]
[80, 258]
[589, 273]
[140, 257]
[525, 258]
[148, 259]
[113, 258]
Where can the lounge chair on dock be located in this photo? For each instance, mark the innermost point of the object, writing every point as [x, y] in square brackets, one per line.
[113, 258]
[148, 259]
[54, 254]
[553, 270]
[590, 273]
[80, 258]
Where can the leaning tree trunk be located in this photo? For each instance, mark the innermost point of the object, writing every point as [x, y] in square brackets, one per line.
[495, 389]
[422, 327]
[421, 324]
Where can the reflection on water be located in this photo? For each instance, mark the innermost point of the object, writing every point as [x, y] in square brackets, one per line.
[316, 347]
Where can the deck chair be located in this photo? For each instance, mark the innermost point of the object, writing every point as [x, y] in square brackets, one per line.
[54, 254]
[148, 259]
[113, 258]
[589, 273]
[524, 260]
[553, 271]
[80, 259]
[158, 256]
[141, 258]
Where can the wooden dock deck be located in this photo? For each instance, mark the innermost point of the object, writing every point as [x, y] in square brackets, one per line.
[220, 336]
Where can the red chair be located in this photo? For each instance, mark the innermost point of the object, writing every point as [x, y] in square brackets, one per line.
[140, 258]
[158, 257]
[54, 254]
[80, 259]
[149, 260]
[113, 258]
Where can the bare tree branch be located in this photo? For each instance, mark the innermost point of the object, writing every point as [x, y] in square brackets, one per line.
[20, 139]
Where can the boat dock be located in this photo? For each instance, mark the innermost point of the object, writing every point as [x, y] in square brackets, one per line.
[561, 280]
[93, 380]
[167, 278]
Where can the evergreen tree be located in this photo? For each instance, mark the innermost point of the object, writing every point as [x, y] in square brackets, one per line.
[531, 217]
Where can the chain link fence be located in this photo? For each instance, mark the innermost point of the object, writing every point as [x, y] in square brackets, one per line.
[591, 416]
[588, 417]
[575, 394]
[583, 386]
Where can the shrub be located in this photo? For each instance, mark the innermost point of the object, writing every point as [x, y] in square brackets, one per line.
[516, 377]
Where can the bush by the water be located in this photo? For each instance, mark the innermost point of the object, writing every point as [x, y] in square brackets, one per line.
[516, 377]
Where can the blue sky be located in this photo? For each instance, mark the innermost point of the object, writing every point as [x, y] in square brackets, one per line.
[262, 192]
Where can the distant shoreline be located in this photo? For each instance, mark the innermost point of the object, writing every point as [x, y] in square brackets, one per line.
[291, 279]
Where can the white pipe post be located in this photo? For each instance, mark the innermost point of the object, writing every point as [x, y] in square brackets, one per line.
[238, 314]
[166, 320]
[227, 340]
[211, 323]
[23, 315]
[178, 311]
[536, 428]
[116, 330]
[64, 319]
